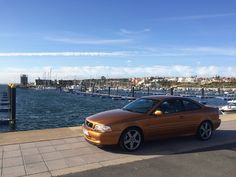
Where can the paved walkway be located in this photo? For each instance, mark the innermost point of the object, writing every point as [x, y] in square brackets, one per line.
[69, 155]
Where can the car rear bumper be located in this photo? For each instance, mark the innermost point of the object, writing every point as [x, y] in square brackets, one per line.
[97, 138]
[216, 123]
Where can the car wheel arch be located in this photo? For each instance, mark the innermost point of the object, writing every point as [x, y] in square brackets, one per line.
[136, 127]
[206, 120]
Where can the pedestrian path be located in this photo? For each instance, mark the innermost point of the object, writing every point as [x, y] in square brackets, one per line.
[62, 156]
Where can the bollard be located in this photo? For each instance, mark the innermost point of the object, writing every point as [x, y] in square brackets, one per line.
[171, 91]
[13, 104]
[117, 90]
[219, 91]
[203, 93]
[93, 88]
[132, 91]
[109, 90]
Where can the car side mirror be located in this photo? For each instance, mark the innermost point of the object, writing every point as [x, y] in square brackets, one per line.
[158, 113]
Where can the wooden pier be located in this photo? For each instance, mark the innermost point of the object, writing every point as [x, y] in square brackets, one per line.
[8, 106]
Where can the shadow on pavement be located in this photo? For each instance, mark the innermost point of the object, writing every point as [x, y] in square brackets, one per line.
[180, 145]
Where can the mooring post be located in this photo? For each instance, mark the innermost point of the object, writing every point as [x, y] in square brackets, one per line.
[93, 88]
[117, 90]
[219, 91]
[13, 105]
[172, 91]
[132, 91]
[148, 90]
[203, 93]
[109, 90]
[9, 93]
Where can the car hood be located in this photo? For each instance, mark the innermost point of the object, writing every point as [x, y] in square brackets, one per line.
[113, 116]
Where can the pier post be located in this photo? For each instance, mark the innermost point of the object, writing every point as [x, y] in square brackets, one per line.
[132, 91]
[93, 88]
[203, 93]
[13, 104]
[171, 91]
[219, 91]
[117, 90]
[148, 90]
[109, 90]
[9, 93]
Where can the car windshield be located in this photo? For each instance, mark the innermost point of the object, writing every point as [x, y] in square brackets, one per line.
[142, 105]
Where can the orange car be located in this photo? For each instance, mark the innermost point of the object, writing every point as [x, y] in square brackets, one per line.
[149, 118]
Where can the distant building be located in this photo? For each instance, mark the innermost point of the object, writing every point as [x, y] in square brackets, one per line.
[45, 82]
[64, 83]
[24, 80]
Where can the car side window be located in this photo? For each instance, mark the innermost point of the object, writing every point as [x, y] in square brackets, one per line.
[172, 106]
[190, 106]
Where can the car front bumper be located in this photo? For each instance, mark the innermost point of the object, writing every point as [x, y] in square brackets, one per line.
[98, 138]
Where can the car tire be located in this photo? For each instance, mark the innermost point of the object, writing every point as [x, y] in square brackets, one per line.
[205, 130]
[131, 139]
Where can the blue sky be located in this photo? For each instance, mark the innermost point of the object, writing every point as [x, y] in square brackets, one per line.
[125, 38]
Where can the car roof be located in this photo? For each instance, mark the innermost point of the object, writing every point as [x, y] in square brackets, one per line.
[161, 97]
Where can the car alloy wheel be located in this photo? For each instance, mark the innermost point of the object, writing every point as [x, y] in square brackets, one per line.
[131, 139]
[205, 131]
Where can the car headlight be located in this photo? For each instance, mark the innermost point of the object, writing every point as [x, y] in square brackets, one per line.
[102, 128]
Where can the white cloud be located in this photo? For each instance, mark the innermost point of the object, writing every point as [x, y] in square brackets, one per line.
[186, 51]
[89, 41]
[12, 74]
[145, 51]
[124, 31]
[65, 54]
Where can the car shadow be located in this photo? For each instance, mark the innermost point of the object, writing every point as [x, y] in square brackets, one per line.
[221, 139]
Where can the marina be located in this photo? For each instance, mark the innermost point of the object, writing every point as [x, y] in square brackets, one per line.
[54, 108]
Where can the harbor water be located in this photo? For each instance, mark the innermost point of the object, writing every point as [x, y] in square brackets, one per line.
[41, 109]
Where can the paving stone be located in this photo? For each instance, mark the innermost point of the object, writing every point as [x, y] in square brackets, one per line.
[92, 158]
[35, 168]
[27, 145]
[46, 149]
[74, 161]
[42, 143]
[9, 154]
[56, 164]
[30, 151]
[76, 152]
[11, 147]
[71, 140]
[58, 142]
[13, 171]
[11, 162]
[29, 159]
[79, 145]
[63, 147]
[52, 156]
[44, 174]
[81, 139]
[69, 153]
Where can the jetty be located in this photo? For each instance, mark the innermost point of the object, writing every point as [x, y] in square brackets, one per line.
[8, 105]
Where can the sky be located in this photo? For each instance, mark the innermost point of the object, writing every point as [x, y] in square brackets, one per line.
[78, 39]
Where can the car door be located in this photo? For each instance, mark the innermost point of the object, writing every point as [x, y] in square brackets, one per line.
[191, 117]
[170, 123]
